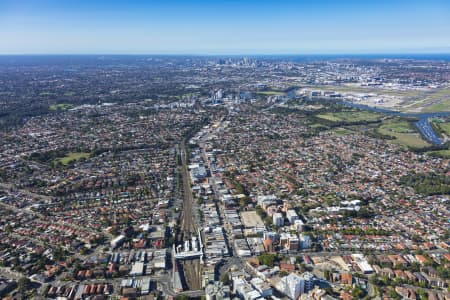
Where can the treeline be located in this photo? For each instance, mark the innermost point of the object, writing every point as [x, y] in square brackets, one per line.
[431, 148]
[363, 213]
[428, 184]
[48, 156]
[11, 117]
[369, 231]
[334, 124]
[327, 107]
[377, 135]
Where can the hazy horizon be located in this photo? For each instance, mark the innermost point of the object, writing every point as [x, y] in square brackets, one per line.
[199, 27]
[244, 54]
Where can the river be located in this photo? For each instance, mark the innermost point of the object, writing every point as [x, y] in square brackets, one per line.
[423, 125]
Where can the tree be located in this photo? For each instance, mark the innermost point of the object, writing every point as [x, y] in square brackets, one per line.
[393, 294]
[58, 254]
[283, 274]
[8, 228]
[268, 221]
[244, 201]
[327, 274]
[443, 272]
[358, 292]
[416, 238]
[260, 212]
[427, 183]
[422, 294]
[24, 284]
[267, 259]
[225, 278]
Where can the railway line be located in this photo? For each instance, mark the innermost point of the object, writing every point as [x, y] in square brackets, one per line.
[191, 268]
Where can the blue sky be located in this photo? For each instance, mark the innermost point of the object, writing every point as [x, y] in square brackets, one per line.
[224, 27]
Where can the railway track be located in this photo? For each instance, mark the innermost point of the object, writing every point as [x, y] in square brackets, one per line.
[187, 222]
[191, 268]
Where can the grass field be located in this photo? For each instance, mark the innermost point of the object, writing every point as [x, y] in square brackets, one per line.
[342, 131]
[271, 93]
[316, 125]
[46, 94]
[444, 105]
[398, 126]
[330, 117]
[432, 101]
[404, 134]
[61, 106]
[350, 116]
[362, 89]
[440, 153]
[189, 95]
[445, 127]
[71, 157]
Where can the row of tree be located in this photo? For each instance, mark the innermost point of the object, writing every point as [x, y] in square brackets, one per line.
[428, 184]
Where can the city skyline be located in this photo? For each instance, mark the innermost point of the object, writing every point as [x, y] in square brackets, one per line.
[201, 27]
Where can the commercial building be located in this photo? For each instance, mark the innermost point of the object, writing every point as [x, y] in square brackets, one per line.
[291, 216]
[291, 285]
[278, 219]
[116, 242]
